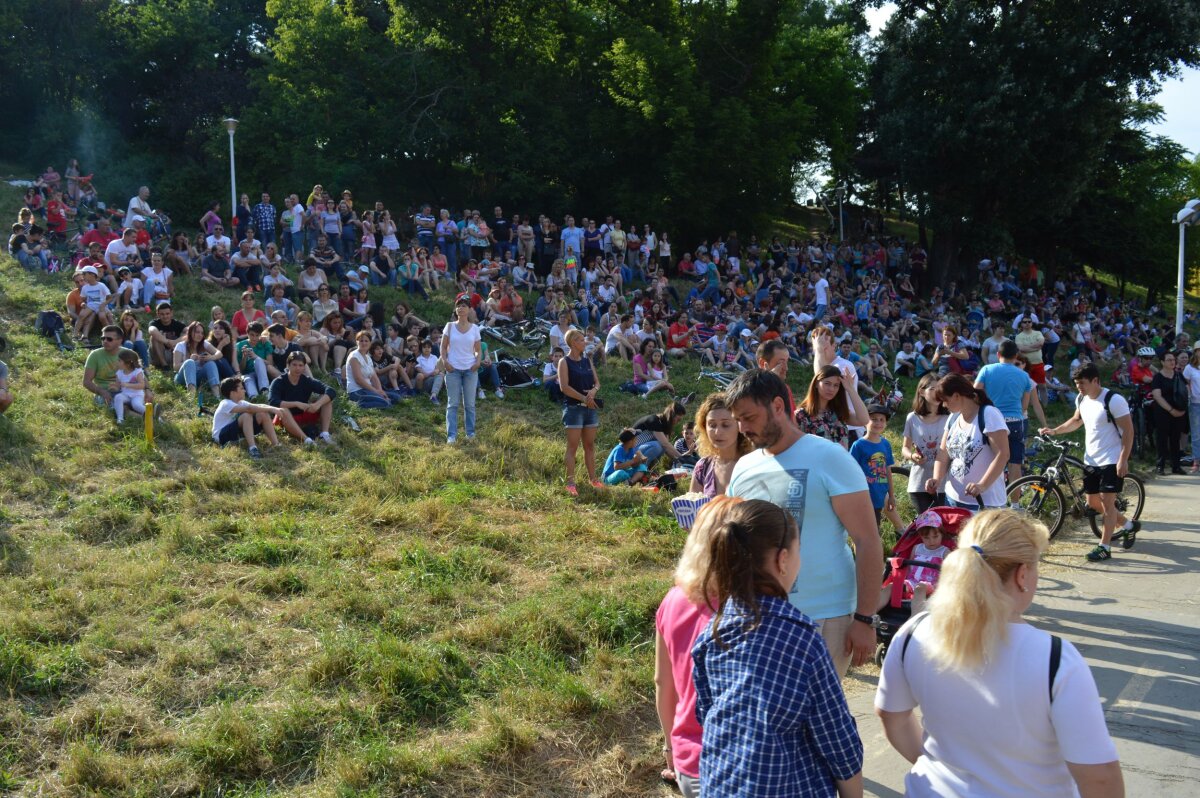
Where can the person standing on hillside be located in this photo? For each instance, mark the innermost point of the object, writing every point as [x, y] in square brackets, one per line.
[264, 219]
[1011, 390]
[823, 488]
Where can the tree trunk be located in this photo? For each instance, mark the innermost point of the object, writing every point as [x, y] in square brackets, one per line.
[943, 260]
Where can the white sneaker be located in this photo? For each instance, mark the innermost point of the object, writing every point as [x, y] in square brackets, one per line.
[309, 442]
[325, 438]
[482, 395]
[499, 393]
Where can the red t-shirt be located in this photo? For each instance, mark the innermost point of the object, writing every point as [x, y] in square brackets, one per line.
[142, 239]
[96, 235]
[56, 216]
[678, 335]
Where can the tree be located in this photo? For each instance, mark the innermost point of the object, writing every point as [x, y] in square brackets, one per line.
[997, 116]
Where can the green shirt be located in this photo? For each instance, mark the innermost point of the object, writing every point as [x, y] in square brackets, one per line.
[105, 365]
[263, 348]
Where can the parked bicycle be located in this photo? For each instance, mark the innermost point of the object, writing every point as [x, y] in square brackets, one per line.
[890, 396]
[722, 378]
[523, 334]
[1042, 495]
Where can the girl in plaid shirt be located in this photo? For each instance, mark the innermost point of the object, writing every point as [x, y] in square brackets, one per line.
[774, 717]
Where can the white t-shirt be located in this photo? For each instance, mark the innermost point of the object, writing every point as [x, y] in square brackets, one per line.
[135, 295]
[297, 218]
[427, 364]
[157, 279]
[802, 479]
[117, 253]
[615, 336]
[128, 379]
[558, 337]
[1192, 375]
[223, 416]
[1102, 439]
[821, 287]
[460, 353]
[212, 241]
[139, 207]
[919, 573]
[94, 296]
[926, 438]
[995, 733]
[970, 457]
[366, 368]
[182, 350]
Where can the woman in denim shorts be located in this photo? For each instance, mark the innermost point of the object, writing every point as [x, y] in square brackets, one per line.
[581, 411]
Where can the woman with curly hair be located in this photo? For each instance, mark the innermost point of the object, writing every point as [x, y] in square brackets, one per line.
[720, 445]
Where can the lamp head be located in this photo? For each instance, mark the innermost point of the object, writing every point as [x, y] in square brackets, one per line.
[230, 124]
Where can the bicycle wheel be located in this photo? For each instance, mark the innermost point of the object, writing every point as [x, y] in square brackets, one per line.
[900, 480]
[1041, 499]
[1130, 503]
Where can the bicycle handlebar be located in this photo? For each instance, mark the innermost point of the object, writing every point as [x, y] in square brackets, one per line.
[1046, 440]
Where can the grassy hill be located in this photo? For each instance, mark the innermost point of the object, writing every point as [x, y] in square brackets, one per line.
[389, 617]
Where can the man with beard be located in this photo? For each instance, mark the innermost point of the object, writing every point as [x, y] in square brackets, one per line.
[821, 485]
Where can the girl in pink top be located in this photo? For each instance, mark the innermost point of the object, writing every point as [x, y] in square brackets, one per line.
[681, 617]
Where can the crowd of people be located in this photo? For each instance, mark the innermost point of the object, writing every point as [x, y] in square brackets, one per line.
[772, 605]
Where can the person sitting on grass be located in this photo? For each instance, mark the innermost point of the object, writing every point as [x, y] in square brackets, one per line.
[129, 385]
[253, 354]
[246, 314]
[625, 464]
[311, 341]
[215, 269]
[129, 290]
[195, 357]
[430, 374]
[294, 391]
[236, 419]
[100, 368]
[387, 367]
[6, 397]
[280, 302]
[362, 383]
[95, 303]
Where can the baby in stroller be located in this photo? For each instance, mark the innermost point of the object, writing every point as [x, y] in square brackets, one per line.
[911, 571]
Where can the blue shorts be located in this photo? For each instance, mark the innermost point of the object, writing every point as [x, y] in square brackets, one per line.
[232, 432]
[1016, 441]
[580, 417]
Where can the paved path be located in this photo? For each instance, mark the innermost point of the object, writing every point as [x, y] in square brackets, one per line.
[1136, 619]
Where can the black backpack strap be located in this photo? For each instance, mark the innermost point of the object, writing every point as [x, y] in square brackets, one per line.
[1055, 659]
[1108, 397]
[908, 637]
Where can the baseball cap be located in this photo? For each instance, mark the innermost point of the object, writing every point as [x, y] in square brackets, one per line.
[723, 328]
[880, 409]
[364, 269]
[928, 518]
[90, 270]
[136, 218]
[166, 303]
[746, 333]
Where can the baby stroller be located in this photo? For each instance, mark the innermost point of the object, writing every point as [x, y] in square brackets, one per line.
[898, 609]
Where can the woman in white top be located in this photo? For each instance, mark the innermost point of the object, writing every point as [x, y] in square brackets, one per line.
[1191, 373]
[362, 383]
[194, 357]
[973, 454]
[923, 431]
[461, 354]
[1007, 710]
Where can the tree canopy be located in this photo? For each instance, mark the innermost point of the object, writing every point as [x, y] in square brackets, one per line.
[999, 125]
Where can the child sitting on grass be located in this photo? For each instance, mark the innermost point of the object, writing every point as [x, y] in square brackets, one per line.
[874, 456]
[130, 385]
[236, 419]
[625, 463]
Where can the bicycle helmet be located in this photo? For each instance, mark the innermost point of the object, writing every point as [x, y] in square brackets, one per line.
[1145, 351]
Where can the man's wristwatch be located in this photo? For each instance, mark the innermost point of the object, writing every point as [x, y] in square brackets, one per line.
[867, 619]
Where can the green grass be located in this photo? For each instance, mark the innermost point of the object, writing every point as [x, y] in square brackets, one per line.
[390, 617]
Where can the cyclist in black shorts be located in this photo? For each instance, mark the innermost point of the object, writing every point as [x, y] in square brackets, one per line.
[1108, 442]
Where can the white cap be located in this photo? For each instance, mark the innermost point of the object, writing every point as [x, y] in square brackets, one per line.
[745, 333]
[136, 218]
[90, 270]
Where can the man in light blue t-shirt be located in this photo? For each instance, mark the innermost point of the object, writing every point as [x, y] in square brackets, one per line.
[825, 490]
[1011, 389]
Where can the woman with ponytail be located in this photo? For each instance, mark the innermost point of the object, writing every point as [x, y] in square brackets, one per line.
[1006, 708]
[774, 717]
[973, 454]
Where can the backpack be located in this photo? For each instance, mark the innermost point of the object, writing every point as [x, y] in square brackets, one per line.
[513, 374]
[48, 323]
[1055, 651]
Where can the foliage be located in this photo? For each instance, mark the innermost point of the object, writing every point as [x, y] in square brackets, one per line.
[1000, 116]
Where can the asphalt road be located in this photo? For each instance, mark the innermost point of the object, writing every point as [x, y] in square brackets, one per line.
[1135, 618]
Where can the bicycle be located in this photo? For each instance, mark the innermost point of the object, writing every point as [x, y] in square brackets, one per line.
[1143, 433]
[523, 334]
[722, 378]
[1041, 495]
[890, 396]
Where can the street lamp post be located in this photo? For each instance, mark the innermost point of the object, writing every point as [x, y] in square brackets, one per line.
[841, 194]
[1189, 214]
[231, 125]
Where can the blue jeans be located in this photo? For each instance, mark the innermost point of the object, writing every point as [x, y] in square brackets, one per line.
[288, 250]
[41, 258]
[142, 349]
[461, 387]
[450, 250]
[1194, 418]
[819, 313]
[414, 286]
[652, 451]
[493, 375]
[369, 400]
[190, 370]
